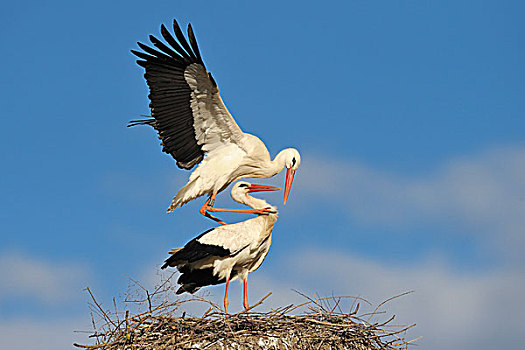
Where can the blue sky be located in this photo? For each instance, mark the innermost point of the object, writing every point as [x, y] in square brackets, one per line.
[408, 115]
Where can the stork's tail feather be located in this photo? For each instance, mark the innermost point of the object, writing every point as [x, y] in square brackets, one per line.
[173, 260]
[174, 205]
[168, 263]
[188, 288]
[192, 280]
[149, 121]
[187, 193]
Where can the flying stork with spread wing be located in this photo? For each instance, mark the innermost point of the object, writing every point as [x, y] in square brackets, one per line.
[196, 128]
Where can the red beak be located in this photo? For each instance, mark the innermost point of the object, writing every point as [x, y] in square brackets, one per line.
[259, 188]
[288, 183]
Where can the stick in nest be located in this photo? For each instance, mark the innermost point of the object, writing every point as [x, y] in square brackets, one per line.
[325, 326]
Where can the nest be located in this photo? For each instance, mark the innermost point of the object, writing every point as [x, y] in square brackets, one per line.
[317, 323]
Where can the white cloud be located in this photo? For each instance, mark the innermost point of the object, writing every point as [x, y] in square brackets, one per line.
[47, 282]
[484, 194]
[43, 334]
[453, 310]
[52, 285]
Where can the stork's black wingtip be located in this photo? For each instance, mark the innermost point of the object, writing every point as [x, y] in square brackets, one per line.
[190, 31]
[140, 45]
[149, 121]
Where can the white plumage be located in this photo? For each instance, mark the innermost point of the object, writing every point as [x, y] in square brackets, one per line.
[227, 253]
[196, 127]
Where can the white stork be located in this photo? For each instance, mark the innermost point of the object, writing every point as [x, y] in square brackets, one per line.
[195, 126]
[227, 253]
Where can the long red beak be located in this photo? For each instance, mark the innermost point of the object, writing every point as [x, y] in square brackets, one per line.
[288, 183]
[259, 188]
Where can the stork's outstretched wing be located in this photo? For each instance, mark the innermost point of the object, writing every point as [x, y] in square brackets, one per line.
[187, 110]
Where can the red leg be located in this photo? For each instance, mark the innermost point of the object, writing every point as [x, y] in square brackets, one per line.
[264, 211]
[207, 207]
[245, 293]
[204, 211]
[226, 302]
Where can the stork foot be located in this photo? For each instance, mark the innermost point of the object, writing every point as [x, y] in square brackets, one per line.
[204, 211]
[265, 211]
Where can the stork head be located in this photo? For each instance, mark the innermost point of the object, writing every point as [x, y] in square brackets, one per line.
[292, 160]
[241, 189]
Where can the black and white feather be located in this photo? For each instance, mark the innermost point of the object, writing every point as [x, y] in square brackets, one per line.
[184, 97]
[227, 252]
[193, 122]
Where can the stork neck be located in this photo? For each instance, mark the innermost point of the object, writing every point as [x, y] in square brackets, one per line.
[277, 164]
[255, 203]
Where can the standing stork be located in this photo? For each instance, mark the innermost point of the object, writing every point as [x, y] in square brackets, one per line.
[227, 253]
[196, 128]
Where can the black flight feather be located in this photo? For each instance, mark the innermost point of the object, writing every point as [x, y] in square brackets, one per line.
[193, 280]
[161, 46]
[170, 94]
[193, 43]
[182, 40]
[194, 251]
[169, 38]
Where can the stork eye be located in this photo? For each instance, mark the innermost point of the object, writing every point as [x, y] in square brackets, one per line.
[243, 185]
[293, 161]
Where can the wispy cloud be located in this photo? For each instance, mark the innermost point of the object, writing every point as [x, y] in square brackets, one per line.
[452, 309]
[44, 334]
[481, 195]
[41, 280]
